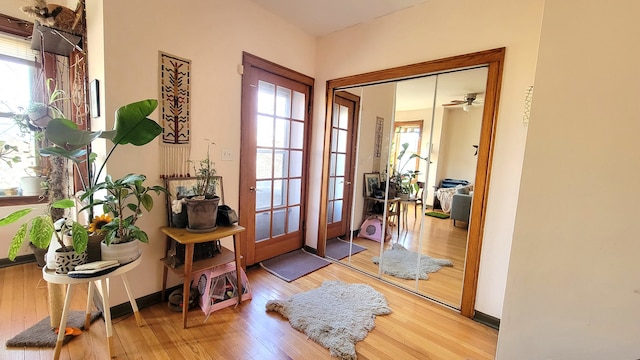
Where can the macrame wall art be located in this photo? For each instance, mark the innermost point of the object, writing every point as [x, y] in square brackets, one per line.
[175, 112]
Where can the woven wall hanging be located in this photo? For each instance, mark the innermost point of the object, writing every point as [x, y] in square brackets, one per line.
[175, 112]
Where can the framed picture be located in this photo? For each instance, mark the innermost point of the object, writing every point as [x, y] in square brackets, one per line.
[371, 182]
[94, 97]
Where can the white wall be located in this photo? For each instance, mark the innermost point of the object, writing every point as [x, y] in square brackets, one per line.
[573, 290]
[460, 130]
[434, 30]
[212, 34]
[375, 101]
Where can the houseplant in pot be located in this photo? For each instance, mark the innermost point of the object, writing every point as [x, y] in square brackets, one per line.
[42, 230]
[202, 208]
[126, 200]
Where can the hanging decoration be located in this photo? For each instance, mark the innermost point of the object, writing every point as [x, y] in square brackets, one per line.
[175, 112]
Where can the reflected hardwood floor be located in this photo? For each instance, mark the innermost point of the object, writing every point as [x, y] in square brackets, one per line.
[441, 240]
[417, 328]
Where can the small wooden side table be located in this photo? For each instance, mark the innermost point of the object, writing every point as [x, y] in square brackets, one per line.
[51, 276]
[189, 239]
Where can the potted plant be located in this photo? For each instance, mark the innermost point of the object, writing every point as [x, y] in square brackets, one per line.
[404, 181]
[42, 230]
[202, 207]
[69, 142]
[126, 200]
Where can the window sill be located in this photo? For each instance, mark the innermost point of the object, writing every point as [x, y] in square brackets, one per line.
[21, 200]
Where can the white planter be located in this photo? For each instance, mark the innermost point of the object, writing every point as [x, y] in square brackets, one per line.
[30, 185]
[124, 253]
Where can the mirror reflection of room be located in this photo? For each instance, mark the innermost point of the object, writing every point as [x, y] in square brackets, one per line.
[428, 155]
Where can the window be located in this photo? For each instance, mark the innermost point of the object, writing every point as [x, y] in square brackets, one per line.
[17, 144]
[406, 132]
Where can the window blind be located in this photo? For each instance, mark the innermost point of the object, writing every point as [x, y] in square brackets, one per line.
[16, 49]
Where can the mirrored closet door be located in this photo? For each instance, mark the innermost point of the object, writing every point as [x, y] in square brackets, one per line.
[402, 177]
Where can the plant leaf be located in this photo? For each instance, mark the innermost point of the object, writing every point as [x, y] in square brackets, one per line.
[16, 242]
[80, 237]
[73, 155]
[65, 134]
[132, 125]
[41, 231]
[14, 216]
[147, 202]
[63, 204]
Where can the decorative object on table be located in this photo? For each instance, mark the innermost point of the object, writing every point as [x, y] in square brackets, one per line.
[226, 216]
[294, 264]
[179, 213]
[126, 200]
[41, 335]
[403, 264]
[371, 183]
[202, 207]
[336, 315]
[175, 112]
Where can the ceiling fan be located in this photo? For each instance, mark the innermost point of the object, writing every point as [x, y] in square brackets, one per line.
[469, 100]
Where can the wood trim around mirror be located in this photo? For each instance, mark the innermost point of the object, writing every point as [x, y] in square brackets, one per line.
[494, 59]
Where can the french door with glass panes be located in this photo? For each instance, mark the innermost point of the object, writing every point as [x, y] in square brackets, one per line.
[275, 128]
[341, 167]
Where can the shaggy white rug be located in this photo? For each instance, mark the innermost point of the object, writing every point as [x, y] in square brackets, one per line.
[336, 315]
[402, 263]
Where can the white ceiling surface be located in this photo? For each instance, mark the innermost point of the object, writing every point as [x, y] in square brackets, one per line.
[321, 17]
[418, 93]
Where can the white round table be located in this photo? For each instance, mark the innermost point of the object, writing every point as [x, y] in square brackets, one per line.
[51, 276]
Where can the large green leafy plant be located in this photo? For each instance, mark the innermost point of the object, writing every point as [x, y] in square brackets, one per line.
[126, 199]
[69, 142]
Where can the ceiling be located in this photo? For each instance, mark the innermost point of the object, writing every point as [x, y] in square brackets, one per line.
[320, 18]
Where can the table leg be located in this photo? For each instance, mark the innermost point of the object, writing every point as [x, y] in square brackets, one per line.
[63, 322]
[236, 250]
[132, 300]
[87, 317]
[165, 271]
[186, 287]
[107, 315]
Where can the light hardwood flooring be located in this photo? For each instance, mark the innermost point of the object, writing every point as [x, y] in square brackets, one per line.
[440, 239]
[417, 328]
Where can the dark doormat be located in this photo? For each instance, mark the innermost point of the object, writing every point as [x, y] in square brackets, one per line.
[41, 334]
[339, 249]
[293, 265]
[437, 214]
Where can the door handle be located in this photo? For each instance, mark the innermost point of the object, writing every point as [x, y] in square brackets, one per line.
[348, 182]
[252, 189]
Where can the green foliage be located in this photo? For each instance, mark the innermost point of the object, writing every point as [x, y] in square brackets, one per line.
[41, 229]
[126, 200]
[205, 173]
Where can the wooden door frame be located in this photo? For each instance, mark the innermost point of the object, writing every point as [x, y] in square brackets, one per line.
[494, 60]
[350, 168]
[251, 61]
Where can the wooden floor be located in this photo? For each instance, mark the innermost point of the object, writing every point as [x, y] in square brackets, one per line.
[440, 239]
[417, 328]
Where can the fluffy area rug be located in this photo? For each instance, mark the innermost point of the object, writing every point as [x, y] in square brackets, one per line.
[402, 263]
[336, 315]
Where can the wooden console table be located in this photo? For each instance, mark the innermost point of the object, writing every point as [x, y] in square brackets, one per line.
[51, 276]
[189, 239]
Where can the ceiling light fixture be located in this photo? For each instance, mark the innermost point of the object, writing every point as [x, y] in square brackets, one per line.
[466, 107]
